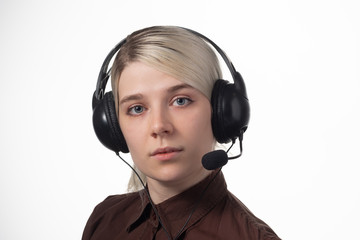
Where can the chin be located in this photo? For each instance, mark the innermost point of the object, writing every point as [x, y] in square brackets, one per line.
[178, 175]
[170, 175]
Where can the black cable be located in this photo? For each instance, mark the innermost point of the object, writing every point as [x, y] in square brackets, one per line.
[196, 205]
[241, 148]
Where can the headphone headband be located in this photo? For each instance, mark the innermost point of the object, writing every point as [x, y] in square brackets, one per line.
[104, 74]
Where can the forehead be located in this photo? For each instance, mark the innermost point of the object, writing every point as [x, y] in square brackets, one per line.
[139, 77]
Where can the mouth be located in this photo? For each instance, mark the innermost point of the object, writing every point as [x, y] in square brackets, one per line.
[166, 153]
[165, 150]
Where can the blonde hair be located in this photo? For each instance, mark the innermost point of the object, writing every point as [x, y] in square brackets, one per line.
[174, 51]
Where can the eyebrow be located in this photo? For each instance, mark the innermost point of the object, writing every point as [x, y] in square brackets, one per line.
[139, 96]
[132, 97]
[178, 87]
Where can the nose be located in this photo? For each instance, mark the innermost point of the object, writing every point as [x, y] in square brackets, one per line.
[161, 124]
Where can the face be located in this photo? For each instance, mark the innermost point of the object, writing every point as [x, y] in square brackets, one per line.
[166, 124]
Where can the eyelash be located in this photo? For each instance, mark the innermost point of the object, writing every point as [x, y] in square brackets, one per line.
[188, 101]
[133, 111]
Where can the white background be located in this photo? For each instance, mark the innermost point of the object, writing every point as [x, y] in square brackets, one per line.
[300, 60]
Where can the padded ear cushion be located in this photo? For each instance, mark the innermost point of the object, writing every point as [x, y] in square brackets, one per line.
[231, 112]
[106, 125]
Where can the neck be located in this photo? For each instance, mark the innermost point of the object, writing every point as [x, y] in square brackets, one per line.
[161, 191]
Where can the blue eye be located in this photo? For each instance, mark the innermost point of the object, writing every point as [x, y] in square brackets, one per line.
[135, 110]
[181, 101]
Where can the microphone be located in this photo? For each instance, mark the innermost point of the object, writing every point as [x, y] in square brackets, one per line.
[219, 158]
[215, 159]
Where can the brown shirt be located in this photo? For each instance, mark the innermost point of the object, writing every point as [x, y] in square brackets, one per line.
[218, 215]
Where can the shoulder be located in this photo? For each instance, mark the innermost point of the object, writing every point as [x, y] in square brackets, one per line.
[117, 208]
[248, 225]
[117, 202]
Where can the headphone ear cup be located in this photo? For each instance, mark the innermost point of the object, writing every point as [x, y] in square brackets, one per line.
[230, 112]
[106, 125]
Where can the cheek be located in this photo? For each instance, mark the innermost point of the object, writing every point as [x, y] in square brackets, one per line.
[199, 125]
[135, 144]
[131, 134]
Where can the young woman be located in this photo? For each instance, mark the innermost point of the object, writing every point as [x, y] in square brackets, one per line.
[162, 80]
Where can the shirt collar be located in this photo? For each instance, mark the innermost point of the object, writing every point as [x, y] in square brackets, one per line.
[176, 210]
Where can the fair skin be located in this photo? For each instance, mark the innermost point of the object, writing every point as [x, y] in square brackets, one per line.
[167, 127]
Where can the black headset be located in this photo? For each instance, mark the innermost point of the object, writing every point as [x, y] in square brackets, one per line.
[229, 102]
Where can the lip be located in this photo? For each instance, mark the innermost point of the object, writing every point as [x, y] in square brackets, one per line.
[166, 153]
